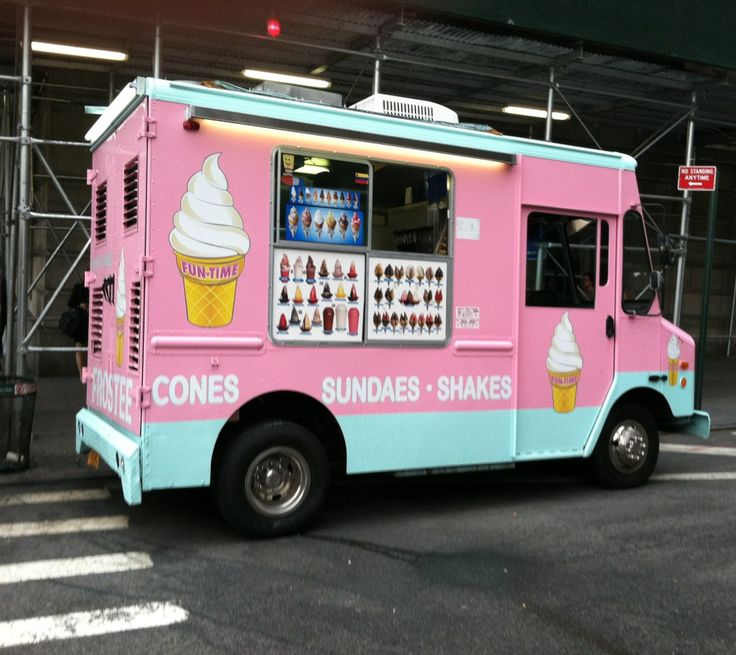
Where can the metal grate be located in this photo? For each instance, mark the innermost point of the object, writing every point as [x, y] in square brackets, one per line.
[421, 110]
[100, 226]
[130, 195]
[134, 334]
[95, 322]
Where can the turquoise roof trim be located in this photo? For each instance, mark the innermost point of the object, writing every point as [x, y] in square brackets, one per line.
[267, 106]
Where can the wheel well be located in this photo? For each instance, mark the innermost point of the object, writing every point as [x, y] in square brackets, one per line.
[292, 406]
[651, 400]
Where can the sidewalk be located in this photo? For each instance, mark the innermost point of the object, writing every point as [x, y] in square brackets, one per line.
[58, 399]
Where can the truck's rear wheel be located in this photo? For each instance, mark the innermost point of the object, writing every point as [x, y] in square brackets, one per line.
[628, 448]
[272, 479]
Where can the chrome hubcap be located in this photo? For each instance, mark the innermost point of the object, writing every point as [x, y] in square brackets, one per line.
[277, 481]
[629, 446]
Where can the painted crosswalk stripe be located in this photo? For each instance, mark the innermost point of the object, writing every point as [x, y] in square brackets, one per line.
[689, 477]
[74, 566]
[87, 624]
[697, 450]
[70, 496]
[66, 526]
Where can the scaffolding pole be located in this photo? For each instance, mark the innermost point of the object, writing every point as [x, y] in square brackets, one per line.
[24, 190]
[550, 105]
[684, 216]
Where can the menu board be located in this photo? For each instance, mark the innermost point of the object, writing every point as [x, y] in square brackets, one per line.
[407, 300]
[317, 296]
[328, 216]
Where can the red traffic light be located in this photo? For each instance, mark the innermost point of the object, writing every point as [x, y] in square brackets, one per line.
[273, 27]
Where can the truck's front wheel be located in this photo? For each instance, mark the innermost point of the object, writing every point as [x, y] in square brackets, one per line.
[627, 449]
[272, 479]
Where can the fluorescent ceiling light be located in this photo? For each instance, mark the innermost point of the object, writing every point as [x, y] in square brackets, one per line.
[313, 166]
[314, 82]
[76, 51]
[535, 113]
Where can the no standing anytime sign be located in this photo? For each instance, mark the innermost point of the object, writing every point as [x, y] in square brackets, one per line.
[697, 178]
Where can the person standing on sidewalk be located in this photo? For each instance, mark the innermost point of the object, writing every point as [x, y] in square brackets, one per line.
[79, 303]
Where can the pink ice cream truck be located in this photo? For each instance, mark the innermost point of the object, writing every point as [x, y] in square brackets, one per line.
[286, 291]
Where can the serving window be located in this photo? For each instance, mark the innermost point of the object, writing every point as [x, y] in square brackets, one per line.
[338, 221]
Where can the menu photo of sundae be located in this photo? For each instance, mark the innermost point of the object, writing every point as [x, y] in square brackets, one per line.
[317, 296]
[330, 216]
[407, 300]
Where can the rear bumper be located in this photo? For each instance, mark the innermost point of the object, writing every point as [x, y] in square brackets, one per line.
[696, 425]
[120, 451]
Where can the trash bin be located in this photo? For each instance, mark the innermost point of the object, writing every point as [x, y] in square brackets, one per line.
[17, 405]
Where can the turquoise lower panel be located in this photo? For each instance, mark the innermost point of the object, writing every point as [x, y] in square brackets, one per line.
[395, 442]
[178, 454]
[119, 450]
[544, 433]
[681, 399]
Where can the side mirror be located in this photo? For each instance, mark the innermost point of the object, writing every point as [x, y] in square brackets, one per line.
[668, 252]
[655, 280]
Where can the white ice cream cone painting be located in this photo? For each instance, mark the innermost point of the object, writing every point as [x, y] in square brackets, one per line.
[210, 245]
[673, 360]
[564, 364]
[121, 307]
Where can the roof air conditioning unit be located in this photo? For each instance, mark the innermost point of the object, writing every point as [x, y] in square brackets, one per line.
[421, 110]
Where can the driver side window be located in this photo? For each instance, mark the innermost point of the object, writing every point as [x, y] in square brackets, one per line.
[560, 261]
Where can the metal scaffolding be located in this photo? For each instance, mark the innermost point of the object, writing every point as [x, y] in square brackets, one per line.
[20, 152]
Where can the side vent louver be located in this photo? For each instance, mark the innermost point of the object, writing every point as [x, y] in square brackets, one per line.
[130, 195]
[95, 322]
[100, 226]
[134, 334]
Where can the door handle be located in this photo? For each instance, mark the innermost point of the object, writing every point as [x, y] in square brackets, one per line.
[610, 327]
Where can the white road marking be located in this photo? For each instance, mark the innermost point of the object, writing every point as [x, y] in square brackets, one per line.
[35, 528]
[74, 566]
[74, 495]
[697, 450]
[716, 475]
[87, 624]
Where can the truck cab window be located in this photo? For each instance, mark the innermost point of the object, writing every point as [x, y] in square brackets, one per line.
[560, 261]
[638, 295]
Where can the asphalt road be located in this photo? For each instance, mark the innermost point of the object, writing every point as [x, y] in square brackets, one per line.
[536, 560]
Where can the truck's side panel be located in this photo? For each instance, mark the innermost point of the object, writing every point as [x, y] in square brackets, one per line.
[114, 366]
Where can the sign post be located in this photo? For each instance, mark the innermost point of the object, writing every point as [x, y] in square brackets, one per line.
[703, 178]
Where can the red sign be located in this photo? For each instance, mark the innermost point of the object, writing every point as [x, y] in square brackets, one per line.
[697, 178]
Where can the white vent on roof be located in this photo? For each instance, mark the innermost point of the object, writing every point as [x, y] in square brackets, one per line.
[421, 110]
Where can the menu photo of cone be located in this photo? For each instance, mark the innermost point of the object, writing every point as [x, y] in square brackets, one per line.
[317, 296]
[407, 300]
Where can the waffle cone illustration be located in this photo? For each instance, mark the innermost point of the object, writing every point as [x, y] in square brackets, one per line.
[564, 365]
[210, 300]
[210, 245]
[564, 390]
[673, 369]
[119, 333]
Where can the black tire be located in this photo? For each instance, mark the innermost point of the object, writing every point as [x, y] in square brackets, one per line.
[628, 448]
[272, 479]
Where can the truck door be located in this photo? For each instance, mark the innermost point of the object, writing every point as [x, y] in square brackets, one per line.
[566, 329]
